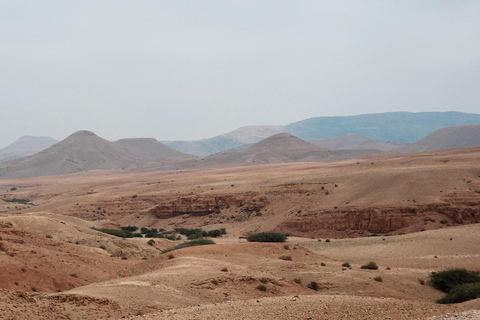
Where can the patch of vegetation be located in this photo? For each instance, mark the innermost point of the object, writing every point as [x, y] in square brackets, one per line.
[370, 266]
[287, 258]
[13, 189]
[448, 279]
[263, 280]
[19, 201]
[224, 270]
[115, 232]
[48, 236]
[198, 242]
[134, 196]
[34, 289]
[170, 256]
[129, 228]
[313, 285]
[73, 275]
[346, 265]
[378, 279]
[443, 221]
[262, 287]
[198, 233]
[267, 237]
[297, 280]
[151, 242]
[322, 264]
[461, 293]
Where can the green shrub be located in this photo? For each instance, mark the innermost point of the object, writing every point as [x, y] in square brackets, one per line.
[214, 233]
[199, 242]
[346, 265]
[297, 280]
[130, 228]
[287, 258]
[313, 285]
[115, 232]
[448, 279]
[137, 235]
[378, 279]
[19, 201]
[194, 236]
[461, 293]
[151, 242]
[267, 237]
[262, 287]
[371, 266]
[263, 280]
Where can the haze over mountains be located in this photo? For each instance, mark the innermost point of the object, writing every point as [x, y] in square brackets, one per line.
[25, 146]
[84, 150]
[355, 141]
[403, 127]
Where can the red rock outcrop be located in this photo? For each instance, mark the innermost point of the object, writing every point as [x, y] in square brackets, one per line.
[361, 222]
[204, 205]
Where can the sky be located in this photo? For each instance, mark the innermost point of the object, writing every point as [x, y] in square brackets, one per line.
[186, 70]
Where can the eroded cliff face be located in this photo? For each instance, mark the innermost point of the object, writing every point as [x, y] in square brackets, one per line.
[361, 222]
[205, 205]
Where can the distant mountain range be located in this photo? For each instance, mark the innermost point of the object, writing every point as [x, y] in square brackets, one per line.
[446, 138]
[279, 148]
[402, 127]
[84, 150]
[25, 146]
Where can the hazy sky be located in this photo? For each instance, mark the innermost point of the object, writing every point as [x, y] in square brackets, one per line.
[177, 70]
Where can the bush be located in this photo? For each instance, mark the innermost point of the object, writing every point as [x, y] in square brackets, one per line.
[297, 280]
[371, 266]
[130, 228]
[378, 279]
[151, 242]
[313, 285]
[262, 287]
[448, 279]
[461, 293]
[287, 258]
[115, 232]
[214, 233]
[346, 265]
[267, 237]
[199, 242]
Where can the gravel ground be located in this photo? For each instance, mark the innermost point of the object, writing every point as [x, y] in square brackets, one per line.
[468, 315]
[310, 307]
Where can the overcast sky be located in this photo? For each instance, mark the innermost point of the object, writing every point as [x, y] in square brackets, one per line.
[178, 70]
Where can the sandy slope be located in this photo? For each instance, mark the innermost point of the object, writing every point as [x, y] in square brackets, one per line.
[65, 207]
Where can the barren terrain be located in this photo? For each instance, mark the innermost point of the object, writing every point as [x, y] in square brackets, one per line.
[411, 213]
